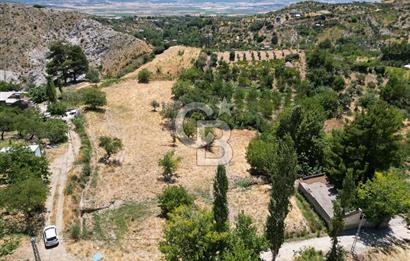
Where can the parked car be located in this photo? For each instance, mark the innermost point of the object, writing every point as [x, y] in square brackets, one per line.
[50, 236]
[71, 114]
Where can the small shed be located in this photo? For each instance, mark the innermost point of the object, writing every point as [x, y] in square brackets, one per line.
[407, 66]
[320, 193]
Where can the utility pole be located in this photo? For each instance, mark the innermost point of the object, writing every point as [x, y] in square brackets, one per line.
[356, 237]
[35, 249]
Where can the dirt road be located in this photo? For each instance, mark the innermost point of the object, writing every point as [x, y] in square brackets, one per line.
[59, 168]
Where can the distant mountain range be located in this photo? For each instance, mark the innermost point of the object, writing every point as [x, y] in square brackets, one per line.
[170, 7]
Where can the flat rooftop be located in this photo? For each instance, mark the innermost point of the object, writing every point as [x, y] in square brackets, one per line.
[322, 190]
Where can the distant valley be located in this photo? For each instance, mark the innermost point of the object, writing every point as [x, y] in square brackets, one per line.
[172, 7]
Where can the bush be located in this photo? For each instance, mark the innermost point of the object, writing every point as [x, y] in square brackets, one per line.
[92, 75]
[38, 93]
[310, 254]
[7, 87]
[94, 98]
[173, 197]
[75, 231]
[57, 108]
[144, 76]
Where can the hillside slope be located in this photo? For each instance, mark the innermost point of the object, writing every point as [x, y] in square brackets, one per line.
[27, 32]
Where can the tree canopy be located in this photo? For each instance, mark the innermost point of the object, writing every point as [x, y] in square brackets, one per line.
[371, 142]
[66, 62]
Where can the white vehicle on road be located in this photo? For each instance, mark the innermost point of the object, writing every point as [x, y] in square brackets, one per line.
[50, 236]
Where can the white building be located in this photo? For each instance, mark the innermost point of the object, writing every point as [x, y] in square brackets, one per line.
[33, 148]
[407, 66]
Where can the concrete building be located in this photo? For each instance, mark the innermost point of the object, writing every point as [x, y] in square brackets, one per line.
[320, 193]
[14, 98]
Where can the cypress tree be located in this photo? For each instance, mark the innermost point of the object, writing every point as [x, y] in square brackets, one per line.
[336, 227]
[283, 172]
[51, 91]
[220, 207]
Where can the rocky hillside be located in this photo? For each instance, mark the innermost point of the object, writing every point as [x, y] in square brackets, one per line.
[26, 33]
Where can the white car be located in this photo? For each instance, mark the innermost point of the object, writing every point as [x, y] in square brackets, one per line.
[50, 236]
[71, 114]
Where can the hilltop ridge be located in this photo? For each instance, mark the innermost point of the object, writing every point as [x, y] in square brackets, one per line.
[27, 32]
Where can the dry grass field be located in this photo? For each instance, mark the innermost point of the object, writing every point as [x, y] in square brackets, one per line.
[169, 64]
[129, 117]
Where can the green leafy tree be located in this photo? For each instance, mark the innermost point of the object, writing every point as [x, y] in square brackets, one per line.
[190, 235]
[110, 145]
[27, 196]
[304, 124]
[55, 131]
[66, 62]
[144, 76]
[397, 92]
[371, 142]
[283, 172]
[259, 154]
[173, 197]
[169, 164]
[19, 163]
[384, 197]
[78, 63]
[244, 243]
[57, 108]
[29, 124]
[6, 121]
[220, 206]
[94, 98]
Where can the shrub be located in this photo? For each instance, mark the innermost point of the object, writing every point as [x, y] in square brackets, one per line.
[92, 75]
[7, 87]
[310, 254]
[94, 98]
[75, 231]
[154, 104]
[57, 108]
[173, 197]
[144, 76]
[38, 93]
[169, 164]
